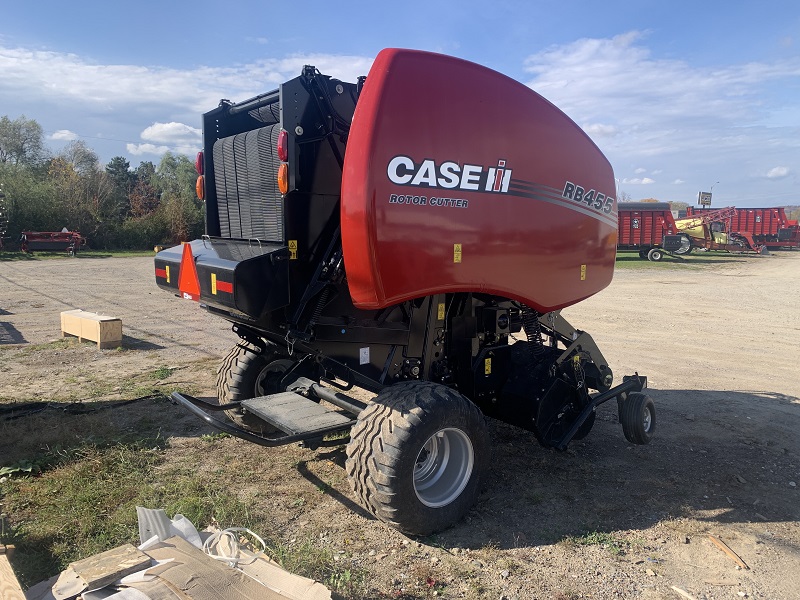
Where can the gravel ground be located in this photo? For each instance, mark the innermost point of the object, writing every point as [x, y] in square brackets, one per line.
[720, 344]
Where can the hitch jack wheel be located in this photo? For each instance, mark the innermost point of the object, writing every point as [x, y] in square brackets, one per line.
[417, 455]
[638, 417]
[247, 374]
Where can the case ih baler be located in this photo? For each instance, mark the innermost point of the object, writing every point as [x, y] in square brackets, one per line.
[394, 235]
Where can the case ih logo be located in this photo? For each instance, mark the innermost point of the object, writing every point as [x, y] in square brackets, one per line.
[402, 170]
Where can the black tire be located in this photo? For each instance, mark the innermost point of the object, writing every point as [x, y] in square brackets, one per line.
[417, 455]
[655, 254]
[638, 417]
[245, 373]
[643, 253]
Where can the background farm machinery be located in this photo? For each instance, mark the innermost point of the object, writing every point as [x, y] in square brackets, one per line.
[51, 241]
[652, 229]
[766, 227]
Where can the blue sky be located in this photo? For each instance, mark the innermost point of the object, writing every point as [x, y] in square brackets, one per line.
[679, 95]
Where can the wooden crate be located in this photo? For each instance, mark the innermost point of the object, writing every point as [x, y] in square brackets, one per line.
[9, 585]
[105, 330]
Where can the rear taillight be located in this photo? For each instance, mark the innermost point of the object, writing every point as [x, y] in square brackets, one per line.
[198, 163]
[283, 146]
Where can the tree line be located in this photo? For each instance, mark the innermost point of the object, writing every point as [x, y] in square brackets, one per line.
[111, 205]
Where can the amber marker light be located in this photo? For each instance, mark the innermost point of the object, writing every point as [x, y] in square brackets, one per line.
[200, 187]
[283, 178]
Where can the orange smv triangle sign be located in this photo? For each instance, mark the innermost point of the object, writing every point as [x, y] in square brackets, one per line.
[188, 281]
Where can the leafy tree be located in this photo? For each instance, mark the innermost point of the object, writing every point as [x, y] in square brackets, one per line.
[175, 177]
[21, 141]
[122, 179]
[144, 199]
[146, 171]
[119, 171]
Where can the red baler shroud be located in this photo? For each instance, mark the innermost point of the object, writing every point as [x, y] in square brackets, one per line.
[501, 192]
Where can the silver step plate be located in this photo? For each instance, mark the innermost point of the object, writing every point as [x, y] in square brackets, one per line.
[294, 414]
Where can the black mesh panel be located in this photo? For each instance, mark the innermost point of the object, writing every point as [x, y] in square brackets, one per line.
[246, 168]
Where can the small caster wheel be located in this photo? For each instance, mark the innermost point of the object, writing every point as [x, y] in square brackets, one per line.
[638, 417]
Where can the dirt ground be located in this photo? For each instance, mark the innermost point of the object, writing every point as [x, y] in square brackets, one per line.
[720, 344]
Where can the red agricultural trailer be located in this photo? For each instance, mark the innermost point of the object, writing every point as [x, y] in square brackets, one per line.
[768, 227]
[53, 241]
[649, 227]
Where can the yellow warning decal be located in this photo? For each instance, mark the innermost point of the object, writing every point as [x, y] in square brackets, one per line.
[583, 272]
[487, 366]
[167, 270]
[440, 312]
[456, 253]
[214, 283]
[292, 249]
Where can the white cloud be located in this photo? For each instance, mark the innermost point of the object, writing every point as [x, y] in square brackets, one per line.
[723, 122]
[171, 133]
[640, 170]
[161, 138]
[678, 181]
[64, 135]
[139, 149]
[778, 173]
[60, 79]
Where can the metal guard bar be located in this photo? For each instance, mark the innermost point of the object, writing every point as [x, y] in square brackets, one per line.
[630, 383]
[199, 408]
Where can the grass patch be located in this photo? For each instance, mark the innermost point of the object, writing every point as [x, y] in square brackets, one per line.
[83, 503]
[72, 484]
[8, 256]
[630, 260]
[599, 538]
[162, 372]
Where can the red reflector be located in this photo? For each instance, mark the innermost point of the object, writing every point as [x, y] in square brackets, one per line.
[188, 282]
[198, 163]
[225, 286]
[161, 273]
[283, 146]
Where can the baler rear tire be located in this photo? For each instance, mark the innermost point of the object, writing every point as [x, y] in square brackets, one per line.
[417, 455]
[247, 373]
[638, 416]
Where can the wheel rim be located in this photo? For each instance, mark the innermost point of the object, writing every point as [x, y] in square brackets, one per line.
[443, 467]
[647, 419]
[270, 377]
